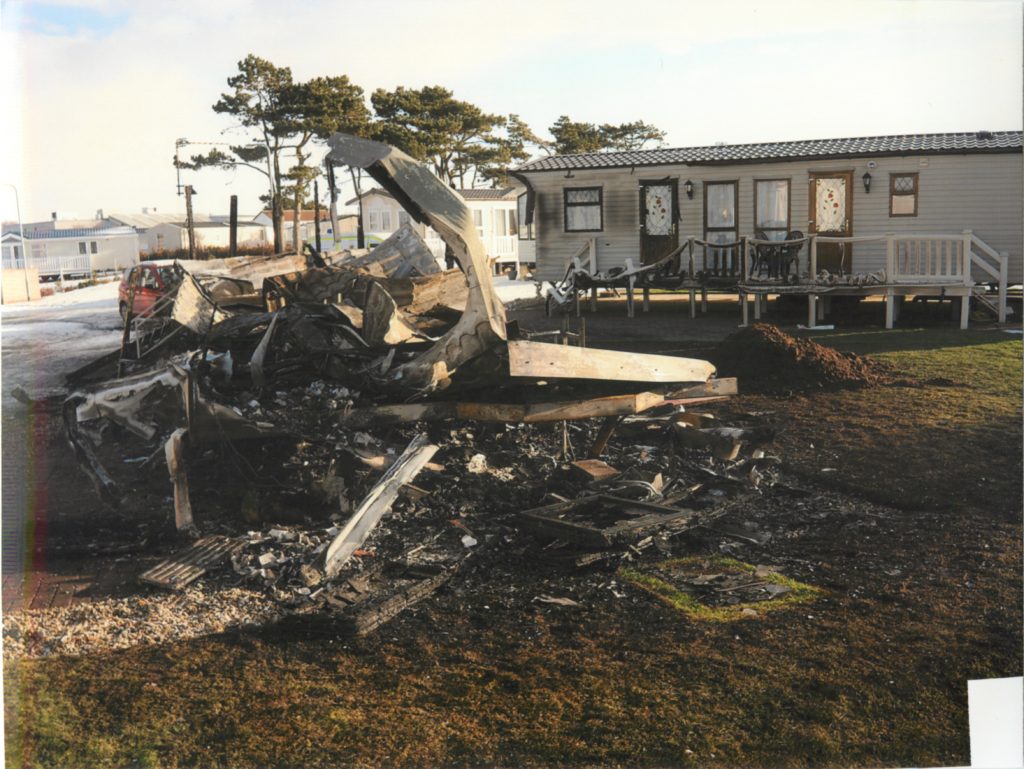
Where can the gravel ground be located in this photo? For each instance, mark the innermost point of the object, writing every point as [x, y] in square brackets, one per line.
[121, 623]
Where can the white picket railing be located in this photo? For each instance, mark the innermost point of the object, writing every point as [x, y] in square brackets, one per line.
[53, 265]
[502, 247]
[923, 259]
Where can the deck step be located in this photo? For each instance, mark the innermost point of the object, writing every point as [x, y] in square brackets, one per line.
[983, 300]
[180, 569]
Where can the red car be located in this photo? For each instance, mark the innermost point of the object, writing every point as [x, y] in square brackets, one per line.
[155, 281]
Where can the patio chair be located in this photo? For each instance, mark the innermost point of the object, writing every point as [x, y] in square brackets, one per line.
[787, 254]
[766, 257]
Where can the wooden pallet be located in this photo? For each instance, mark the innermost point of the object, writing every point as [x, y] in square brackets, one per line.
[179, 570]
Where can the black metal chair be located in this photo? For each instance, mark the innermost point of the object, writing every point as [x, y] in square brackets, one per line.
[788, 253]
[765, 257]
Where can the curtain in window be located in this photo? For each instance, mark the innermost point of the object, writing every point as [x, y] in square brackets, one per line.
[773, 207]
[721, 205]
[500, 223]
[583, 217]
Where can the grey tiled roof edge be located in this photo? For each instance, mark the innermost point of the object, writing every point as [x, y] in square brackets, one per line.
[866, 146]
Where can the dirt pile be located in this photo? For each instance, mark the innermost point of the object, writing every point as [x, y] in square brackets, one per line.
[768, 360]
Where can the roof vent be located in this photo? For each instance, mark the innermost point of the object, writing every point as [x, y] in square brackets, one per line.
[984, 134]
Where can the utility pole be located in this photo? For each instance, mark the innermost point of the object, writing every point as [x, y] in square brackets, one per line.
[178, 144]
[360, 233]
[189, 192]
[233, 247]
[333, 189]
[316, 212]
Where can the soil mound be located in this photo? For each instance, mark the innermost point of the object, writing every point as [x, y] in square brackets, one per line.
[768, 360]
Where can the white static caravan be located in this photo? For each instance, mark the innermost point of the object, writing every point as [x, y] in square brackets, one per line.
[174, 235]
[938, 191]
[493, 212]
[76, 252]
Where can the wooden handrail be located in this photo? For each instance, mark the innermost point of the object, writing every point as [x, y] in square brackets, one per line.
[985, 247]
[851, 239]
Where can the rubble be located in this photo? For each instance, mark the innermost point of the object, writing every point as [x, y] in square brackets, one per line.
[304, 400]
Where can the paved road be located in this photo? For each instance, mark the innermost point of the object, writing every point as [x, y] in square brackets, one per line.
[39, 345]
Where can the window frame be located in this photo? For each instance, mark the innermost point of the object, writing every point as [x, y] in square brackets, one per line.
[789, 208]
[566, 205]
[735, 205]
[92, 247]
[893, 175]
[522, 227]
[82, 248]
[499, 222]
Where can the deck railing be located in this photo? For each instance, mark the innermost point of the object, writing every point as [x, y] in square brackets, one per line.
[51, 265]
[61, 265]
[502, 247]
[991, 262]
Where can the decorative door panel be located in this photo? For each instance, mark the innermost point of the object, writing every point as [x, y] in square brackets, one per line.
[659, 214]
[830, 202]
[831, 215]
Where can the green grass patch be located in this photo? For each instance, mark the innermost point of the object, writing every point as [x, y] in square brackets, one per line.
[690, 605]
[947, 438]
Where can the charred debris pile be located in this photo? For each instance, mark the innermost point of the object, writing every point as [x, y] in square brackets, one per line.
[349, 431]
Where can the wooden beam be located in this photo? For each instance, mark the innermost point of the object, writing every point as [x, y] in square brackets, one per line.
[603, 436]
[376, 503]
[613, 405]
[541, 360]
[610, 406]
[593, 469]
[718, 386]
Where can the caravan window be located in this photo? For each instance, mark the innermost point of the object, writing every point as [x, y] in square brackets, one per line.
[771, 207]
[525, 230]
[903, 194]
[720, 202]
[500, 223]
[583, 209]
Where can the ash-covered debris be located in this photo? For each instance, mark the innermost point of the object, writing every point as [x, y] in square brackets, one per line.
[353, 437]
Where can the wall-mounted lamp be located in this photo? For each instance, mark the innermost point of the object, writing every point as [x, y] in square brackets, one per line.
[569, 175]
[867, 182]
[688, 187]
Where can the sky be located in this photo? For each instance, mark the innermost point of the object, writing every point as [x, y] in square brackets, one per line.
[94, 93]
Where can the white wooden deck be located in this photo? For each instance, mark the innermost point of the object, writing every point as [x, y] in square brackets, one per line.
[944, 265]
